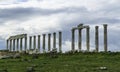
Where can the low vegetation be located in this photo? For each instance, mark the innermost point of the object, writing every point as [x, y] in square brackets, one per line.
[69, 62]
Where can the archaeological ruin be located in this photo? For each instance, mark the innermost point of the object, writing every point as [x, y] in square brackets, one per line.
[23, 42]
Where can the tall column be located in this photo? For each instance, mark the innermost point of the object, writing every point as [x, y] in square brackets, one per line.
[39, 43]
[54, 40]
[13, 44]
[26, 43]
[80, 39]
[49, 42]
[30, 42]
[73, 40]
[105, 37]
[34, 42]
[88, 38]
[44, 43]
[10, 44]
[21, 44]
[17, 45]
[60, 42]
[97, 38]
[7, 43]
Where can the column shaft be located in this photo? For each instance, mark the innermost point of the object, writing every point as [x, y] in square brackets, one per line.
[13, 44]
[30, 42]
[7, 43]
[97, 38]
[49, 42]
[44, 43]
[54, 40]
[60, 42]
[80, 39]
[25, 43]
[105, 37]
[73, 40]
[20, 44]
[17, 45]
[39, 43]
[88, 38]
[34, 42]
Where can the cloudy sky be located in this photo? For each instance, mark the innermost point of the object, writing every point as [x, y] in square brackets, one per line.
[47, 16]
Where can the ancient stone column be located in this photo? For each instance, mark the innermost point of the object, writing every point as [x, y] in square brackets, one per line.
[54, 40]
[80, 37]
[21, 44]
[49, 42]
[13, 44]
[44, 43]
[34, 42]
[60, 41]
[105, 37]
[17, 45]
[25, 43]
[97, 38]
[39, 43]
[73, 40]
[10, 44]
[30, 42]
[88, 38]
[7, 43]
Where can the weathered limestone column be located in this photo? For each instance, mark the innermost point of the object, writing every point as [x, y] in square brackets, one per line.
[13, 44]
[80, 37]
[25, 43]
[105, 37]
[49, 42]
[17, 45]
[7, 43]
[44, 43]
[73, 40]
[21, 44]
[54, 40]
[39, 43]
[30, 42]
[88, 38]
[10, 44]
[60, 41]
[34, 42]
[97, 38]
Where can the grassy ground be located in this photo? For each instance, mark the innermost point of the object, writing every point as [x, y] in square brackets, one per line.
[79, 62]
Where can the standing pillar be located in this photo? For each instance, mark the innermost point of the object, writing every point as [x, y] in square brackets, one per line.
[13, 44]
[97, 38]
[39, 43]
[54, 40]
[49, 42]
[26, 43]
[17, 45]
[88, 38]
[105, 37]
[60, 42]
[10, 44]
[34, 42]
[80, 39]
[21, 44]
[30, 42]
[7, 43]
[44, 43]
[73, 40]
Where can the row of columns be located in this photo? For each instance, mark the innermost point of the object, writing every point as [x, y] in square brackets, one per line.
[13, 46]
[79, 28]
[12, 42]
[44, 42]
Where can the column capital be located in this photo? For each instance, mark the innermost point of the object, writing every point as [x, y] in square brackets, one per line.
[105, 25]
[81, 24]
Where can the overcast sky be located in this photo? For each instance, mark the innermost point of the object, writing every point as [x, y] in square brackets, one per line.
[36, 17]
